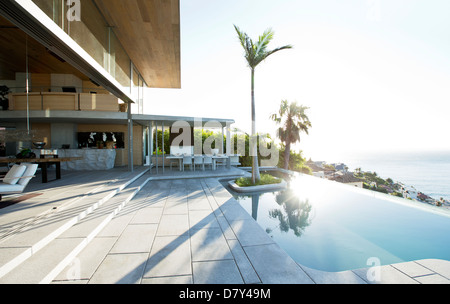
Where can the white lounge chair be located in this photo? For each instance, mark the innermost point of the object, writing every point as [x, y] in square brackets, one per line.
[17, 179]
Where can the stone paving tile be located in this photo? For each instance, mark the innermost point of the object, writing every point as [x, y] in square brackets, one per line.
[85, 265]
[173, 224]
[274, 266]
[232, 210]
[117, 225]
[209, 244]
[248, 273]
[136, 238]
[384, 275]
[432, 279]
[412, 269]
[120, 269]
[148, 215]
[187, 279]
[199, 203]
[176, 206]
[438, 266]
[216, 272]
[201, 219]
[170, 256]
[249, 233]
[323, 277]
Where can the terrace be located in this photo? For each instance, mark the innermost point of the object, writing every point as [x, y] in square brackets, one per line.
[126, 227]
[144, 225]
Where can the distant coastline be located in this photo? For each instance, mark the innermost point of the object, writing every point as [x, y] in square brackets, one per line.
[340, 172]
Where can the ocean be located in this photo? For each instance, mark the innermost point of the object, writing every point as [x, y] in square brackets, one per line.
[428, 172]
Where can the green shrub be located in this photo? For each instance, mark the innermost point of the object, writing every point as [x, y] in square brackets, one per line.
[266, 179]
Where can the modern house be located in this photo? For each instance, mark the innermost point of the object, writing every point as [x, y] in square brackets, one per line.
[77, 71]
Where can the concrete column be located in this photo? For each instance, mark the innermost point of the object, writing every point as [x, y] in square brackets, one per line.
[156, 155]
[221, 152]
[228, 146]
[130, 140]
[229, 139]
[149, 145]
[162, 148]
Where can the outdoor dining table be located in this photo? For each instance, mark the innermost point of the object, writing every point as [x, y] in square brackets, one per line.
[43, 162]
[214, 160]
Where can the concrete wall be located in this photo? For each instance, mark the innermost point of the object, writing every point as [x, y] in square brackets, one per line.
[64, 134]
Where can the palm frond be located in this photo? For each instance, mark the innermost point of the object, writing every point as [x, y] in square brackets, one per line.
[257, 52]
[279, 49]
[263, 41]
[293, 120]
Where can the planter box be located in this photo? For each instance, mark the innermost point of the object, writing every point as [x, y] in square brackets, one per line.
[262, 188]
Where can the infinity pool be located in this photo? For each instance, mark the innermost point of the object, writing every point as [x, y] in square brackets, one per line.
[334, 227]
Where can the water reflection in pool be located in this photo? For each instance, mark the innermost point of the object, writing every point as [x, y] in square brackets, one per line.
[333, 227]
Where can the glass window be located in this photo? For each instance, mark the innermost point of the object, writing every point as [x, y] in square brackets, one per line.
[91, 33]
[120, 63]
[52, 8]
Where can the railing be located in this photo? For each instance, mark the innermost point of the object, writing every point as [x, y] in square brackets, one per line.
[35, 101]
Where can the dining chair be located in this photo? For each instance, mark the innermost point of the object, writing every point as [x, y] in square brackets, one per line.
[174, 161]
[221, 162]
[207, 161]
[198, 160]
[187, 160]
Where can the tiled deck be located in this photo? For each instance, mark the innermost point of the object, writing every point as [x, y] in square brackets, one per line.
[183, 230]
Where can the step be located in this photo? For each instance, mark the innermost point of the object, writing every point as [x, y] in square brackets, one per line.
[48, 263]
[24, 244]
[53, 258]
[61, 193]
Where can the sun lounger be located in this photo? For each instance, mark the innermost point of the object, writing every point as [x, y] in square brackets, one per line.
[17, 179]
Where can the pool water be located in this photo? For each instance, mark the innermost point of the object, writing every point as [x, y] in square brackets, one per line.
[334, 227]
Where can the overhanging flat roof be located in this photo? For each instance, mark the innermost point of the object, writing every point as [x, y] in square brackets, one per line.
[148, 30]
[150, 33]
[193, 121]
[100, 117]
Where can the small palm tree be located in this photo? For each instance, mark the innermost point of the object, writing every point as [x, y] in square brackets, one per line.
[293, 120]
[255, 53]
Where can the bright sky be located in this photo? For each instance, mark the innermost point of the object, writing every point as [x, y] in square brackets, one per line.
[375, 73]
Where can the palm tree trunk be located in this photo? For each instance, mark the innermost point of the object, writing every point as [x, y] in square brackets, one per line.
[287, 155]
[287, 148]
[255, 168]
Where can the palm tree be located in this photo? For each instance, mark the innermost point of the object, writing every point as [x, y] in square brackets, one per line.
[293, 120]
[255, 53]
[296, 213]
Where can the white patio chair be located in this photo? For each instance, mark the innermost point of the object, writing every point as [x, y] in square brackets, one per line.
[187, 160]
[174, 161]
[234, 160]
[198, 160]
[221, 162]
[17, 179]
[207, 161]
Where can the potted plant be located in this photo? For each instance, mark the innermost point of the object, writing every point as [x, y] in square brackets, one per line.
[4, 102]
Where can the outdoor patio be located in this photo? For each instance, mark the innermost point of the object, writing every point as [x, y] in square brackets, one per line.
[139, 227]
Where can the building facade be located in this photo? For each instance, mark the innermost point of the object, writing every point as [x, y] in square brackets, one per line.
[74, 73]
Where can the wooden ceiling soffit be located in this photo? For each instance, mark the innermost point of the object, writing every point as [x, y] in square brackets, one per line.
[149, 31]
